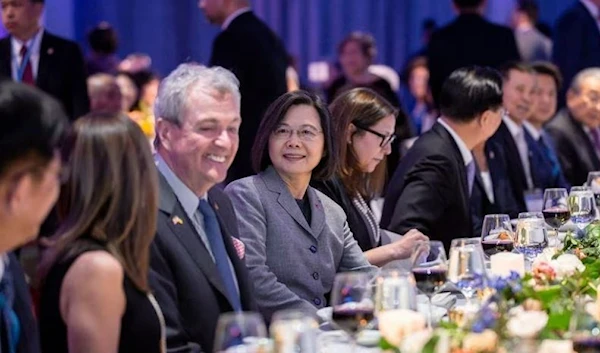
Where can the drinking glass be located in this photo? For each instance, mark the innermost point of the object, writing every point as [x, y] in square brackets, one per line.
[593, 182]
[294, 331]
[395, 289]
[585, 329]
[239, 332]
[466, 269]
[556, 209]
[582, 206]
[496, 234]
[531, 236]
[353, 307]
[429, 269]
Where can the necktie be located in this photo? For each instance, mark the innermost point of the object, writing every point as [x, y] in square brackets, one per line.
[596, 139]
[10, 321]
[28, 72]
[470, 175]
[215, 239]
[550, 154]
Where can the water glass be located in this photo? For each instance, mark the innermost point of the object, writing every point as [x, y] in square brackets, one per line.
[294, 331]
[531, 236]
[582, 206]
[593, 182]
[466, 269]
[395, 289]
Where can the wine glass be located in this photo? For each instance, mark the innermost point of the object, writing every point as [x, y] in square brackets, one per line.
[593, 182]
[531, 236]
[466, 269]
[496, 234]
[584, 326]
[429, 269]
[294, 331]
[556, 209]
[582, 206]
[240, 332]
[351, 299]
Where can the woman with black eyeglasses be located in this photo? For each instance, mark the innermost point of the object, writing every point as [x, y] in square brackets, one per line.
[363, 126]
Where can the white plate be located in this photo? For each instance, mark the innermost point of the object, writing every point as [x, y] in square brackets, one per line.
[365, 337]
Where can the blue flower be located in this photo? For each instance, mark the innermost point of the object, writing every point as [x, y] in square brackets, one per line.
[514, 276]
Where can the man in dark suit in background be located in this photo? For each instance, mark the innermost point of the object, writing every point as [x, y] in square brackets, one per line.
[576, 128]
[249, 49]
[468, 40]
[33, 127]
[32, 55]
[198, 269]
[430, 189]
[577, 40]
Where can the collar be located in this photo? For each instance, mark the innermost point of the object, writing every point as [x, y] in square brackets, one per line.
[535, 133]
[36, 41]
[188, 199]
[592, 8]
[233, 16]
[524, 28]
[464, 150]
[512, 126]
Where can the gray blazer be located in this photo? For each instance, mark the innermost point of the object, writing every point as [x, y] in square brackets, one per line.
[291, 263]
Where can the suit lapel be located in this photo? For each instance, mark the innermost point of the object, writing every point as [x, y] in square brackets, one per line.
[588, 153]
[6, 57]
[179, 223]
[317, 212]
[44, 65]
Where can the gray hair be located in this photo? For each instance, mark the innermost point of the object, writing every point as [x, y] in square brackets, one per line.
[175, 89]
[584, 75]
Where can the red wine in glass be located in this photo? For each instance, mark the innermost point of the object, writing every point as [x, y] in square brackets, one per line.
[429, 280]
[494, 246]
[586, 344]
[352, 320]
[556, 217]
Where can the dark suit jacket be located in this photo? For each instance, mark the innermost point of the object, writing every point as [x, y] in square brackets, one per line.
[543, 172]
[29, 341]
[576, 42]
[512, 159]
[575, 151]
[504, 201]
[184, 278]
[429, 190]
[257, 57]
[468, 40]
[61, 72]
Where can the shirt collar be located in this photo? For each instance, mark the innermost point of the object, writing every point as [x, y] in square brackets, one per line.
[35, 40]
[188, 199]
[592, 8]
[513, 127]
[464, 150]
[233, 16]
[535, 133]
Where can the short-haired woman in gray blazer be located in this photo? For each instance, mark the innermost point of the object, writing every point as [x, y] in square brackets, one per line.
[296, 238]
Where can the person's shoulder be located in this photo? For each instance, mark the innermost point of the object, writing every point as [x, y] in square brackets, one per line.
[98, 266]
[59, 41]
[329, 205]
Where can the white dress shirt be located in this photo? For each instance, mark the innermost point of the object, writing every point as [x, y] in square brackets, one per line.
[233, 16]
[588, 132]
[34, 44]
[594, 11]
[518, 135]
[488, 185]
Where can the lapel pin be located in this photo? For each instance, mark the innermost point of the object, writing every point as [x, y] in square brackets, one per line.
[216, 206]
[177, 220]
[50, 51]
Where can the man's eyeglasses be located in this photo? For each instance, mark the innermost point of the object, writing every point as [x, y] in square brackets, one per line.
[304, 134]
[385, 139]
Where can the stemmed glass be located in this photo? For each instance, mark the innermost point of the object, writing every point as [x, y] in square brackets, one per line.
[593, 182]
[466, 269]
[353, 307]
[240, 332]
[531, 236]
[496, 234]
[582, 206]
[429, 268]
[294, 331]
[556, 209]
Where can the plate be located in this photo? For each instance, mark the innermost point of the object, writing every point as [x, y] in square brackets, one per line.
[366, 338]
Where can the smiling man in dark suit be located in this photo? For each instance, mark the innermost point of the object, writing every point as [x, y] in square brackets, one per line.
[32, 55]
[430, 189]
[247, 47]
[198, 270]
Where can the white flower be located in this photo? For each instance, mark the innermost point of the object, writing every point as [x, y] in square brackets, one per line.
[526, 324]
[394, 325]
[566, 265]
[545, 256]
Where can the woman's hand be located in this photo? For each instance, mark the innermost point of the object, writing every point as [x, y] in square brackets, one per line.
[404, 247]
